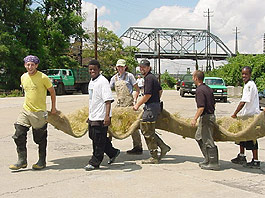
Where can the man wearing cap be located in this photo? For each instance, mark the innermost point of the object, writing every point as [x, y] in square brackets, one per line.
[33, 114]
[152, 108]
[125, 98]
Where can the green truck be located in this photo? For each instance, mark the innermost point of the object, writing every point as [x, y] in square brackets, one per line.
[69, 80]
[218, 86]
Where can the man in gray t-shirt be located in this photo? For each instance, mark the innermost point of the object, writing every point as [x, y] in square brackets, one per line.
[125, 98]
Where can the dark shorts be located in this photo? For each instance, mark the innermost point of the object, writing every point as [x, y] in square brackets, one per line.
[249, 145]
[151, 112]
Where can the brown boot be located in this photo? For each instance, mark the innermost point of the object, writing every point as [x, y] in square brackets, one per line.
[153, 159]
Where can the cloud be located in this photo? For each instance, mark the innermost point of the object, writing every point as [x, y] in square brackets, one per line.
[247, 15]
[88, 12]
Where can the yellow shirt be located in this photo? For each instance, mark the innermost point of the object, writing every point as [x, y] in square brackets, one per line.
[35, 91]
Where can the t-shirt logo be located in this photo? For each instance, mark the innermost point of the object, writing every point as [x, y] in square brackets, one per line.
[90, 92]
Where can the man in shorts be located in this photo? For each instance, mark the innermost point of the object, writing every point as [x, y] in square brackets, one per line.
[34, 114]
[248, 106]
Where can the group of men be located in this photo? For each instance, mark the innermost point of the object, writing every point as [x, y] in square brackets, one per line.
[36, 84]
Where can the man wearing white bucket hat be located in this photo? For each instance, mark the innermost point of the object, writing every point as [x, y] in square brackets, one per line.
[125, 98]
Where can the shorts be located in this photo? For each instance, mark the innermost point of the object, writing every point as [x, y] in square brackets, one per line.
[151, 112]
[36, 120]
[249, 145]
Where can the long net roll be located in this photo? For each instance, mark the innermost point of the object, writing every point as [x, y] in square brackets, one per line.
[125, 121]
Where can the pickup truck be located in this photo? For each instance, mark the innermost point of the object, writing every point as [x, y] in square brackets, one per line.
[218, 86]
[69, 80]
[187, 85]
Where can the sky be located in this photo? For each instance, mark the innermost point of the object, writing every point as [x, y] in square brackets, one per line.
[247, 15]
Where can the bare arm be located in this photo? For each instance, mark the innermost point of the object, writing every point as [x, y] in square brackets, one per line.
[239, 107]
[143, 100]
[197, 115]
[136, 93]
[106, 121]
[53, 99]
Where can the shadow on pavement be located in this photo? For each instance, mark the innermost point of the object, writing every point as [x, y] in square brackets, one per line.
[176, 159]
[123, 162]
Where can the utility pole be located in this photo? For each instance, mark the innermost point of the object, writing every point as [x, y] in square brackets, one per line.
[264, 44]
[208, 51]
[96, 34]
[159, 73]
[79, 12]
[236, 40]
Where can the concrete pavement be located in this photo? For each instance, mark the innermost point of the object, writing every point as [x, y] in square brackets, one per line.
[178, 174]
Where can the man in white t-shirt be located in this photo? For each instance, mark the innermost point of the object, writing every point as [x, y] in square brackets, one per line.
[100, 99]
[140, 82]
[248, 106]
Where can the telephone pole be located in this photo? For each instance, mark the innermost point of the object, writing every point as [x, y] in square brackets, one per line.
[96, 34]
[236, 40]
[208, 50]
[264, 44]
[79, 57]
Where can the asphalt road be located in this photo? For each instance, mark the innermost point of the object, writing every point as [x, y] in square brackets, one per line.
[178, 174]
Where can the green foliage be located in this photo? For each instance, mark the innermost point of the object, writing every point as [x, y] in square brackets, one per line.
[110, 50]
[231, 72]
[13, 93]
[44, 31]
[167, 81]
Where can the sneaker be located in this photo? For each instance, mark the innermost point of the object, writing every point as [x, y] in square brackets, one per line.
[90, 167]
[111, 160]
[252, 164]
[239, 160]
[135, 151]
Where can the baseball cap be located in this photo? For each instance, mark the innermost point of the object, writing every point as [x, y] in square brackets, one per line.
[144, 63]
[121, 62]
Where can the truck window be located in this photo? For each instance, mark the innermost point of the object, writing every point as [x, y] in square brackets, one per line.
[64, 72]
[70, 73]
[187, 78]
[53, 72]
[214, 82]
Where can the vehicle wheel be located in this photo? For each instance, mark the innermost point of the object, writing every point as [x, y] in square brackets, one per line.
[225, 100]
[60, 90]
[84, 88]
[181, 92]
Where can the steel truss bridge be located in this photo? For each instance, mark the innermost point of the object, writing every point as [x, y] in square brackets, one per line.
[176, 43]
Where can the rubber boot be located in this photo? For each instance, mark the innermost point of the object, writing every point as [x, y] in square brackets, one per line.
[163, 147]
[20, 138]
[41, 164]
[22, 161]
[148, 130]
[204, 152]
[40, 138]
[213, 159]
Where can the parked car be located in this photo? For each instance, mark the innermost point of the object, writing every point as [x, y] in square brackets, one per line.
[218, 86]
[187, 85]
[262, 99]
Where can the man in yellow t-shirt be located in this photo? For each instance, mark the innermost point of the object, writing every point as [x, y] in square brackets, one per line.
[34, 114]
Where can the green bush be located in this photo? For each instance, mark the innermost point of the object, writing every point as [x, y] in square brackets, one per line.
[167, 81]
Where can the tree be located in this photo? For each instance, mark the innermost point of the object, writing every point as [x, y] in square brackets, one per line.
[44, 31]
[231, 72]
[110, 49]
